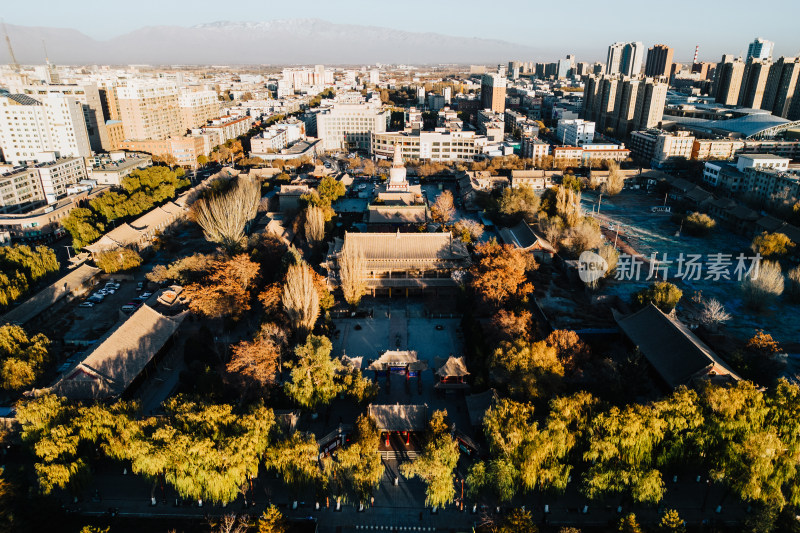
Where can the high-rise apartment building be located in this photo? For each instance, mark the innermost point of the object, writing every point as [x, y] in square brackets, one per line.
[625, 58]
[31, 126]
[659, 61]
[728, 80]
[754, 82]
[760, 49]
[89, 96]
[197, 106]
[149, 110]
[621, 105]
[493, 92]
[781, 86]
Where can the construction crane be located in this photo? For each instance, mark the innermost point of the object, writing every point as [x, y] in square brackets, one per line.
[14, 63]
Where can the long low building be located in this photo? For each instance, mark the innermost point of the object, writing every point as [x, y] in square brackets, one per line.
[406, 264]
[120, 356]
[430, 145]
[675, 353]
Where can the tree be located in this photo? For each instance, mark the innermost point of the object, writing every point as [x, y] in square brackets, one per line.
[352, 264]
[314, 375]
[468, 230]
[202, 160]
[224, 216]
[330, 189]
[83, 226]
[357, 469]
[516, 521]
[662, 294]
[520, 202]
[205, 451]
[582, 236]
[226, 290]
[22, 359]
[532, 370]
[699, 224]
[255, 363]
[300, 297]
[272, 521]
[314, 225]
[771, 244]
[671, 522]
[118, 260]
[713, 313]
[183, 271]
[498, 275]
[629, 524]
[434, 466]
[443, 208]
[760, 289]
[615, 182]
[510, 325]
[295, 458]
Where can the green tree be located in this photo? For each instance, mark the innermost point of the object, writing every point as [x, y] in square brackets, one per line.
[22, 358]
[356, 470]
[516, 521]
[314, 377]
[662, 294]
[202, 160]
[531, 369]
[434, 466]
[296, 459]
[83, 226]
[330, 189]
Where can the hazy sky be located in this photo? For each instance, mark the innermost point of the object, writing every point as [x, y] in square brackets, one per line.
[582, 27]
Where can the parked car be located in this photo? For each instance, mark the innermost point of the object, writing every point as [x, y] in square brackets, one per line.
[140, 286]
[86, 304]
[128, 308]
[145, 295]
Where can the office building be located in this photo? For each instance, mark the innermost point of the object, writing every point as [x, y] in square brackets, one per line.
[760, 49]
[728, 80]
[149, 110]
[493, 92]
[659, 61]
[661, 149]
[31, 126]
[350, 126]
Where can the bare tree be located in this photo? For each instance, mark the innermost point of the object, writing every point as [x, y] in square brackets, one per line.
[231, 523]
[713, 313]
[583, 236]
[443, 209]
[351, 273]
[568, 205]
[761, 288]
[300, 297]
[469, 230]
[315, 225]
[224, 216]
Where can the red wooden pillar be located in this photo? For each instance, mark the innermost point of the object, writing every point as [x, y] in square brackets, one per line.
[387, 438]
[408, 437]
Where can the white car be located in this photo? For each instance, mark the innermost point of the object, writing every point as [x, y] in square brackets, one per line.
[86, 304]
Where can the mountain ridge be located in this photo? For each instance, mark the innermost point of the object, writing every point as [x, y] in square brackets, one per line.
[275, 42]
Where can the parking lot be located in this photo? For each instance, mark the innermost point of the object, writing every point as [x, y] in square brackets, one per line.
[90, 323]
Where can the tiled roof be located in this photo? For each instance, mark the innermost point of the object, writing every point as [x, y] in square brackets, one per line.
[399, 417]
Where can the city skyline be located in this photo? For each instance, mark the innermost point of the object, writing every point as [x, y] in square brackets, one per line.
[682, 27]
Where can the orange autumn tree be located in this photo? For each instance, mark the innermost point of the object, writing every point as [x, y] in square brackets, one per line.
[226, 290]
[498, 274]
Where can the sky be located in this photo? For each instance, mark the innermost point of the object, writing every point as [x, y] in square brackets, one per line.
[582, 27]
